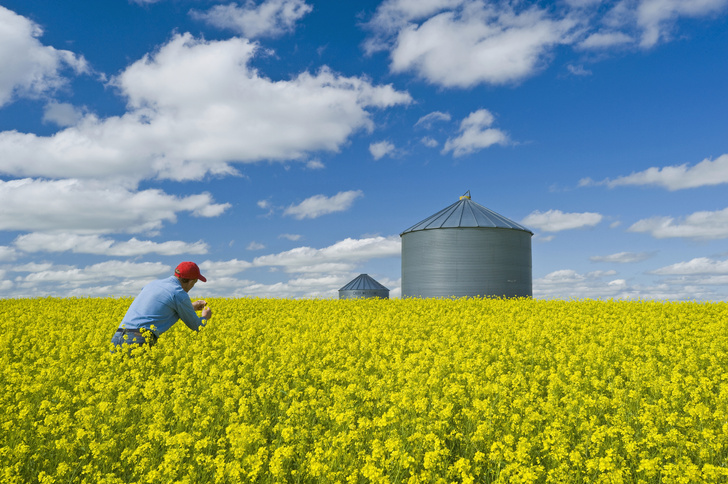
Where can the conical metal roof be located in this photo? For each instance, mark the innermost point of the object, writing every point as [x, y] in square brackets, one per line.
[466, 213]
[363, 282]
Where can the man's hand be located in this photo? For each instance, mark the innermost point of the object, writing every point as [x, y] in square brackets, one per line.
[206, 313]
[198, 305]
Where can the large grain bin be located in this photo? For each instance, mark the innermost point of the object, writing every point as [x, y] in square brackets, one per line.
[466, 250]
[363, 286]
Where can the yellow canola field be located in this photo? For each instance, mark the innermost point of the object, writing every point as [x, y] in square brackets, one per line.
[384, 391]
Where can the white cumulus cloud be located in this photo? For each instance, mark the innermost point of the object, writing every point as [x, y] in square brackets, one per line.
[100, 279]
[79, 206]
[341, 256]
[677, 177]
[319, 272]
[429, 142]
[428, 120]
[224, 112]
[657, 17]
[697, 266]
[30, 68]
[578, 70]
[217, 269]
[94, 244]
[704, 225]
[7, 253]
[255, 246]
[62, 114]
[318, 205]
[291, 237]
[476, 133]
[381, 149]
[622, 257]
[270, 18]
[464, 43]
[556, 220]
[568, 283]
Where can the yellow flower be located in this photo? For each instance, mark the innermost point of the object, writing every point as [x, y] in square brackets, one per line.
[411, 390]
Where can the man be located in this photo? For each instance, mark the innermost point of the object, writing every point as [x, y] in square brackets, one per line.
[160, 304]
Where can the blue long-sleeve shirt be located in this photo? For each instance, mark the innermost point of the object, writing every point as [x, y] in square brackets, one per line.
[160, 304]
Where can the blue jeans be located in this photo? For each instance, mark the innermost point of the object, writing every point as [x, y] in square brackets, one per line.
[133, 337]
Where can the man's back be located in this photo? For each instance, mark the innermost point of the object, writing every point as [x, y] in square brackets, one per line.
[160, 304]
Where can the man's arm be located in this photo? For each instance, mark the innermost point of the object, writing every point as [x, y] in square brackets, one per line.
[200, 306]
[186, 312]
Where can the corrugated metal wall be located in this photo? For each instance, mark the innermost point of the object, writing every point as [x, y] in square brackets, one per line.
[363, 286]
[466, 262]
[364, 294]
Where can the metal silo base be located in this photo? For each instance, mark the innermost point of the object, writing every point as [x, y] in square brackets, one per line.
[466, 262]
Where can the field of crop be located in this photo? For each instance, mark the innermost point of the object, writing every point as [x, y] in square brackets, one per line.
[386, 391]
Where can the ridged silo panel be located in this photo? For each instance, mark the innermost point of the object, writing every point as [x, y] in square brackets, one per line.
[466, 262]
[364, 294]
[363, 286]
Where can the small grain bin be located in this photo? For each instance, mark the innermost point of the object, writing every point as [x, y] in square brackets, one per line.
[363, 287]
[466, 250]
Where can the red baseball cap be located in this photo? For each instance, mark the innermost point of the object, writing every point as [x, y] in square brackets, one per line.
[189, 270]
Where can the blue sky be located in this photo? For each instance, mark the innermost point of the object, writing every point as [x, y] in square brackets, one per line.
[284, 145]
